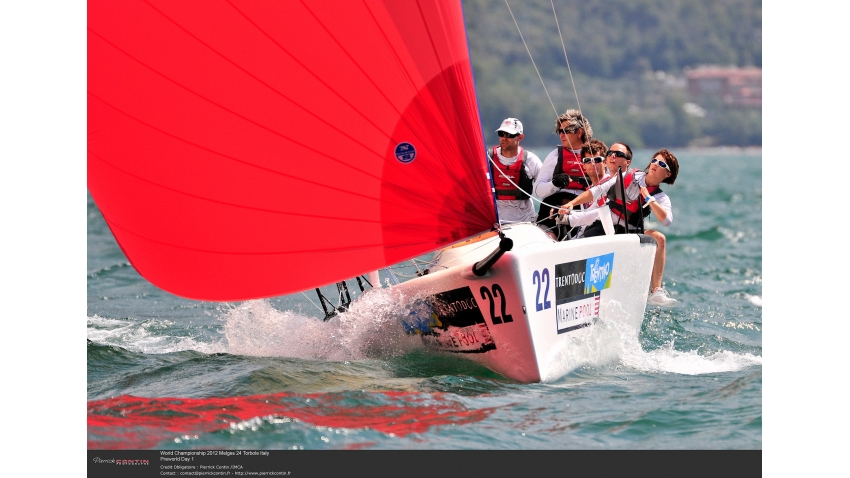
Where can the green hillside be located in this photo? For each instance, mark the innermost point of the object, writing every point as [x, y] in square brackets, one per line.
[628, 59]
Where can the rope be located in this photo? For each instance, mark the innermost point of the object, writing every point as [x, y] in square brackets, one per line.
[490, 158]
[585, 123]
[532, 59]
[564, 47]
[311, 301]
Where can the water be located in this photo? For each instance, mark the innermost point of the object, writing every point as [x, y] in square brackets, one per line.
[169, 373]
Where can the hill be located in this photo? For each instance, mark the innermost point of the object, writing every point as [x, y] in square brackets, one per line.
[628, 58]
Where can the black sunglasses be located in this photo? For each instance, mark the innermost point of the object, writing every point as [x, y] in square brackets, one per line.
[596, 159]
[567, 131]
[660, 163]
[505, 134]
[618, 154]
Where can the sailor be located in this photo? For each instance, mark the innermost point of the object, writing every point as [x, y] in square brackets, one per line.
[641, 188]
[514, 171]
[562, 177]
[586, 222]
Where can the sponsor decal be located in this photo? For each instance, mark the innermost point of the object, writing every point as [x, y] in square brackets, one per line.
[598, 273]
[578, 313]
[450, 321]
[405, 152]
[569, 280]
[577, 288]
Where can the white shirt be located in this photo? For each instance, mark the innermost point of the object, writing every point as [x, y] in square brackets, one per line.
[518, 210]
[633, 193]
[587, 216]
[544, 188]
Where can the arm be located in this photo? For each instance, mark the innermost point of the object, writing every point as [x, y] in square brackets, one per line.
[543, 186]
[583, 218]
[593, 194]
[533, 166]
[660, 206]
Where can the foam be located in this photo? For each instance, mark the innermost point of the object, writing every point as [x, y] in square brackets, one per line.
[368, 329]
[145, 336]
[753, 299]
[611, 343]
[668, 360]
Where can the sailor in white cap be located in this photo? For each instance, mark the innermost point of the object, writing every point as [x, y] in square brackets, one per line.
[514, 171]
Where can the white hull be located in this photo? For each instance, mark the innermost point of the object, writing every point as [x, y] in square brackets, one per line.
[523, 311]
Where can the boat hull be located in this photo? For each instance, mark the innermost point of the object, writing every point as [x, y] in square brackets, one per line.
[519, 317]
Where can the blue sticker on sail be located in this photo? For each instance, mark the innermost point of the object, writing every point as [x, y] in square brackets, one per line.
[597, 275]
[405, 152]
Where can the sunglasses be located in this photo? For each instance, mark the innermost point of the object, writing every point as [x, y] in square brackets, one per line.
[597, 159]
[660, 163]
[504, 134]
[567, 131]
[618, 154]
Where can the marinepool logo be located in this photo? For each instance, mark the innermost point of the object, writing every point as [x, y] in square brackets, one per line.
[405, 152]
[577, 288]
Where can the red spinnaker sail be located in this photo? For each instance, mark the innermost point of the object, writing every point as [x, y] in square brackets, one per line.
[247, 149]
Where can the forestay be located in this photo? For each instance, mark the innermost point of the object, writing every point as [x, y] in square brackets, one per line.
[247, 149]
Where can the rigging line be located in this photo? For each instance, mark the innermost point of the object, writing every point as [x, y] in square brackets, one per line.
[532, 58]
[565, 56]
[490, 158]
[584, 122]
[311, 301]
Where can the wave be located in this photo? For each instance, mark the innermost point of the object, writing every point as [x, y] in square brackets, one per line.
[715, 233]
[128, 422]
[668, 360]
[610, 343]
[109, 268]
[368, 329]
[149, 336]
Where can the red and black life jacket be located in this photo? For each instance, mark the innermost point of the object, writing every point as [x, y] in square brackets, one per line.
[602, 199]
[516, 172]
[599, 202]
[633, 207]
[569, 163]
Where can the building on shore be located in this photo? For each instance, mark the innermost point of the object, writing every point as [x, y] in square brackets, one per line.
[728, 85]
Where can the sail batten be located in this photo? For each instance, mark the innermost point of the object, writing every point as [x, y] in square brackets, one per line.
[247, 149]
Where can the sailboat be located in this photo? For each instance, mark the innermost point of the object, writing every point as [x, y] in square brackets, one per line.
[249, 149]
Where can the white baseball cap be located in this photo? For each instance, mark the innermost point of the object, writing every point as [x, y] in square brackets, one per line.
[511, 126]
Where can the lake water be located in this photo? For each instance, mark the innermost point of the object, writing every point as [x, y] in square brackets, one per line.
[169, 373]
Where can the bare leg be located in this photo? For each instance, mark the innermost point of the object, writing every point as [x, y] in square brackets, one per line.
[660, 259]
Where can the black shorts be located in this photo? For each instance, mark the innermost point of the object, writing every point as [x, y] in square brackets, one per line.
[619, 229]
[594, 229]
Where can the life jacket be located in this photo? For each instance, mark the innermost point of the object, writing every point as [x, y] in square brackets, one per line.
[516, 173]
[602, 199]
[633, 207]
[599, 203]
[569, 163]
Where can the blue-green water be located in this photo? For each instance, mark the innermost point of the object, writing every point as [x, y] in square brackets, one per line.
[161, 368]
